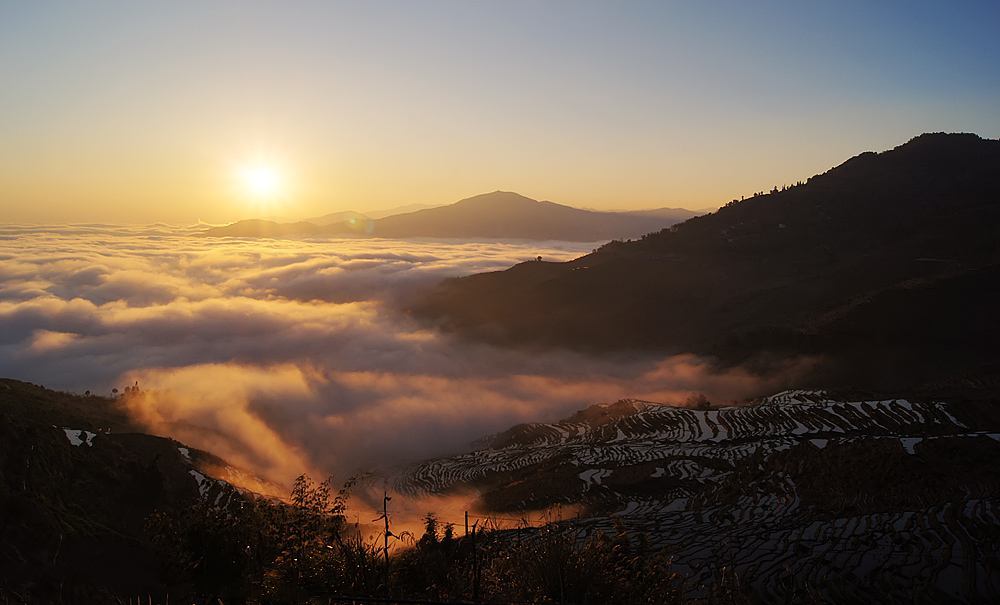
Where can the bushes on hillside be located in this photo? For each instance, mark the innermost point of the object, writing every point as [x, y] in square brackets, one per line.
[264, 551]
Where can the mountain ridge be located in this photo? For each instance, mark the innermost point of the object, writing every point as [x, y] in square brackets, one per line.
[754, 277]
[495, 215]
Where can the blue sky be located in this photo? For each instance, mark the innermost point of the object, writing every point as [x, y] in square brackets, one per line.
[138, 111]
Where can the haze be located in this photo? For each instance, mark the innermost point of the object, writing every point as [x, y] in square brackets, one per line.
[117, 112]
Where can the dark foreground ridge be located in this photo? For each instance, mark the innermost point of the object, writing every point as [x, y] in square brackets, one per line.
[95, 512]
[888, 265]
[79, 485]
[822, 495]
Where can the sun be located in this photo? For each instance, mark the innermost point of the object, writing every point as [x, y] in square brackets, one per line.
[261, 181]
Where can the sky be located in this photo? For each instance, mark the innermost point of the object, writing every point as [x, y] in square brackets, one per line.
[137, 112]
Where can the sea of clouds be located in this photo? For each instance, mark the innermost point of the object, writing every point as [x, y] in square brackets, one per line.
[290, 356]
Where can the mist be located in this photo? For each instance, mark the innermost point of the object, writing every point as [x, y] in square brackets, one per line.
[286, 357]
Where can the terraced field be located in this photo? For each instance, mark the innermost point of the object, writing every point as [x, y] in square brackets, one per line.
[803, 492]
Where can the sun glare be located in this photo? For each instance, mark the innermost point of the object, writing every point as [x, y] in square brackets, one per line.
[261, 181]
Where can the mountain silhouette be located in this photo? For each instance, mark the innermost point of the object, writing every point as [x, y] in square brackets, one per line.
[501, 215]
[336, 218]
[887, 266]
[377, 214]
[350, 225]
[266, 228]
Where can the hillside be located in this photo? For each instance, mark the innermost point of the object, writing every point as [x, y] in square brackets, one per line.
[853, 497]
[889, 260]
[500, 215]
[78, 485]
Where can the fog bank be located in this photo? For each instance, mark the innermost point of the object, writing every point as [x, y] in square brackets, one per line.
[289, 356]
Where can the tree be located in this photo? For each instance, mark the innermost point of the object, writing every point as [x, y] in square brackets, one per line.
[697, 401]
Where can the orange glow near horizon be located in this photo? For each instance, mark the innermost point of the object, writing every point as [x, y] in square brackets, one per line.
[143, 115]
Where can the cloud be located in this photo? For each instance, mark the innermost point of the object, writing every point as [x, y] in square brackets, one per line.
[289, 356]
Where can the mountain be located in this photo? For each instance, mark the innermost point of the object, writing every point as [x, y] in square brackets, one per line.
[847, 497]
[492, 215]
[405, 208]
[886, 265]
[349, 215]
[503, 214]
[266, 228]
[302, 229]
[674, 215]
[336, 218]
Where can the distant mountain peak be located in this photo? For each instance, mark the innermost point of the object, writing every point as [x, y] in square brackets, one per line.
[498, 214]
[497, 197]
